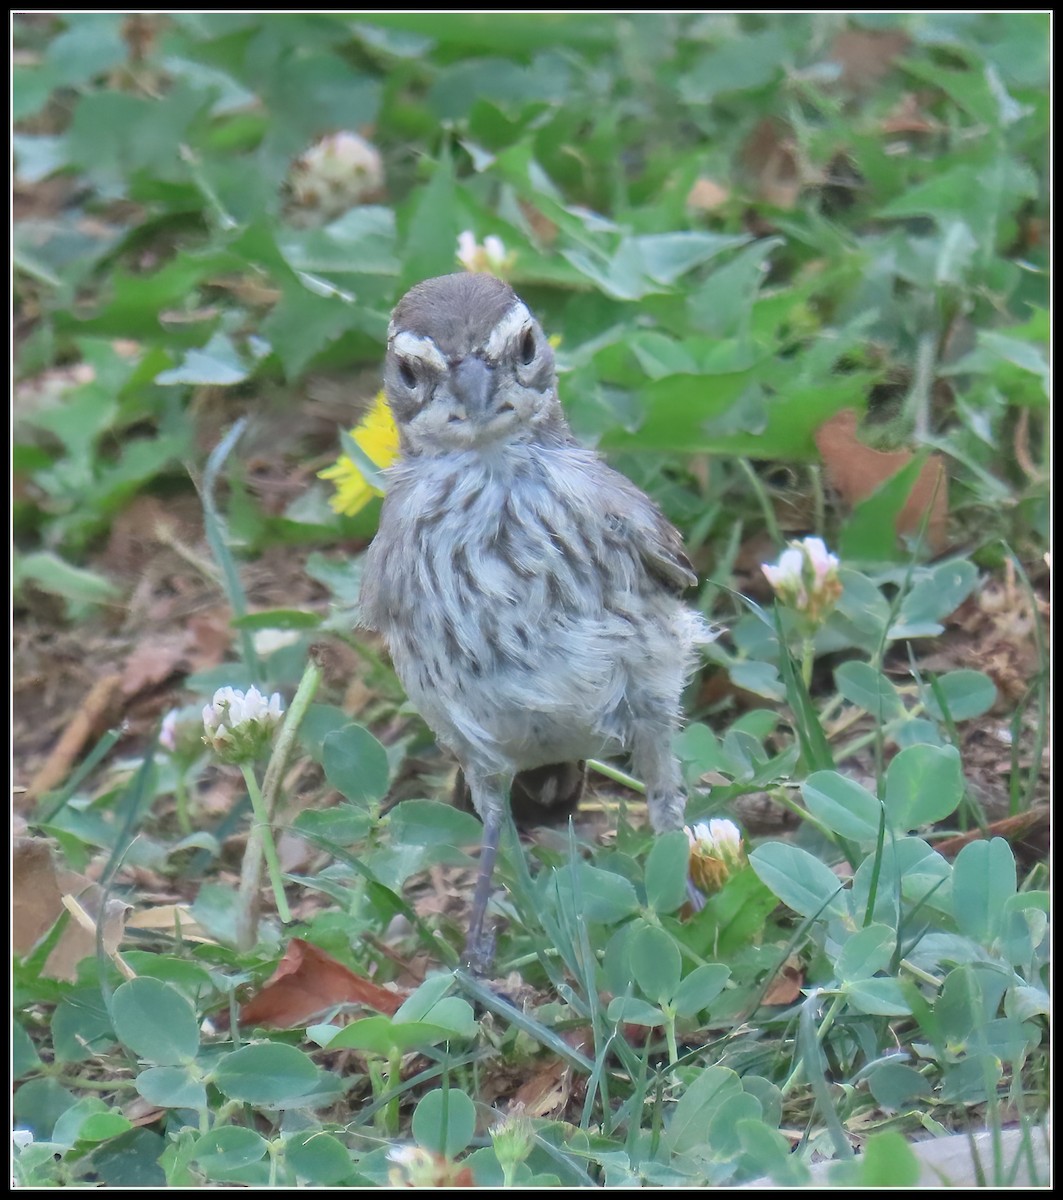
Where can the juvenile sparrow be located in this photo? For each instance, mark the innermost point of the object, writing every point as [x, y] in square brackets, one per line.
[527, 593]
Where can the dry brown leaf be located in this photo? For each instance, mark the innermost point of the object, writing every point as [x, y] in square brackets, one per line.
[786, 986]
[42, 892]
[907, 116]
[153, 660]
[769, 157]
[305, 983]
[170, 918]
[211, 637]
[1035, 822]
[707, 195]
[857, 470]
[866, 55]
[545, 1093]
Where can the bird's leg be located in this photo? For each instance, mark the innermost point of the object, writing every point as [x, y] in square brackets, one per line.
[480, 946]
[655, 762]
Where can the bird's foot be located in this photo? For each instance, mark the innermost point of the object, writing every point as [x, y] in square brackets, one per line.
[479, 952]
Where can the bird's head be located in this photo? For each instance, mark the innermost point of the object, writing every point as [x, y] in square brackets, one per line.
[468, 366]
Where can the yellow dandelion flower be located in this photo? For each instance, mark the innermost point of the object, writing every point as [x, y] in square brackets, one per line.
[375, 444]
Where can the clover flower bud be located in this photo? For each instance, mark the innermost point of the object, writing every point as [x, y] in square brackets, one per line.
[491, 257]
[805, 578]
[335, 174]
[239, 725]
[716, 852]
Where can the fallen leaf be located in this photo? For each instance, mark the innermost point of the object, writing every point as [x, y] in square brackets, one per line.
[866, 55]
[42, 892]
[707, 195]
[170, 918]
[786, 986]
[769, 157]
[857, 470]
[153, 660]
[907, 116]
[545, 1093]
[306, 982]
[1035, 822]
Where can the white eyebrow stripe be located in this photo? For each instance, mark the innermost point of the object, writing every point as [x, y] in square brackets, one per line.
[409, 345]
[506, 330]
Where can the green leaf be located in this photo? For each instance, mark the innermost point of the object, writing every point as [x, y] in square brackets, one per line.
[888, 1162]
[909, 869]
[90, 1120]
[935, 597]
[700, 988]
[966, 694]
[317, 1157]
[155, 1021]
[81, 1026]
[605, 896]
[278, 618]
[444, 1121]
[431, 823]
[383, 1035]
[713, 1088]
[983, 881]
[870, 534]
[218, 364]
[894, 1085]
[877, 997]
[356, 764]
[634, 1011]
[103, 1126]
[431, 242]
[698, 749]
[862, 685]
[866, 952]
[666, 871]
[265, 1073]
[843, 805]
[655, 963]
[800, 880]
[52, 574]
[172, 1087]
[227, 1149]
[923, 784]
[24, 1057]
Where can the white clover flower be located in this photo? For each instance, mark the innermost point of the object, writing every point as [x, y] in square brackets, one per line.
[805, 578]
[716, 851]
[491, 257]
[238, 725]
[336, 173]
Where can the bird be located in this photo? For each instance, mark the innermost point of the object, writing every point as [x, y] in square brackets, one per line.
[529, 595]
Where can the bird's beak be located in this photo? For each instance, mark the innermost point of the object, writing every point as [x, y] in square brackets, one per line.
[473, 384]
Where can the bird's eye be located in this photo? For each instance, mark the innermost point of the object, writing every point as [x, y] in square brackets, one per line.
[407, 373]
[527, 347]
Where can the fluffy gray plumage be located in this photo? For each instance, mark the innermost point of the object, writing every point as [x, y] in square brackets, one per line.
[527, 592]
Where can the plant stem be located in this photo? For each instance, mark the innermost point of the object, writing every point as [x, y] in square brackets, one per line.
[616, 775]
[184, 821]
[808, 658]
[260, 842]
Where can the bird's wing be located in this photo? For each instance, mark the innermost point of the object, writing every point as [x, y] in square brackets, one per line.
[658, 542]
